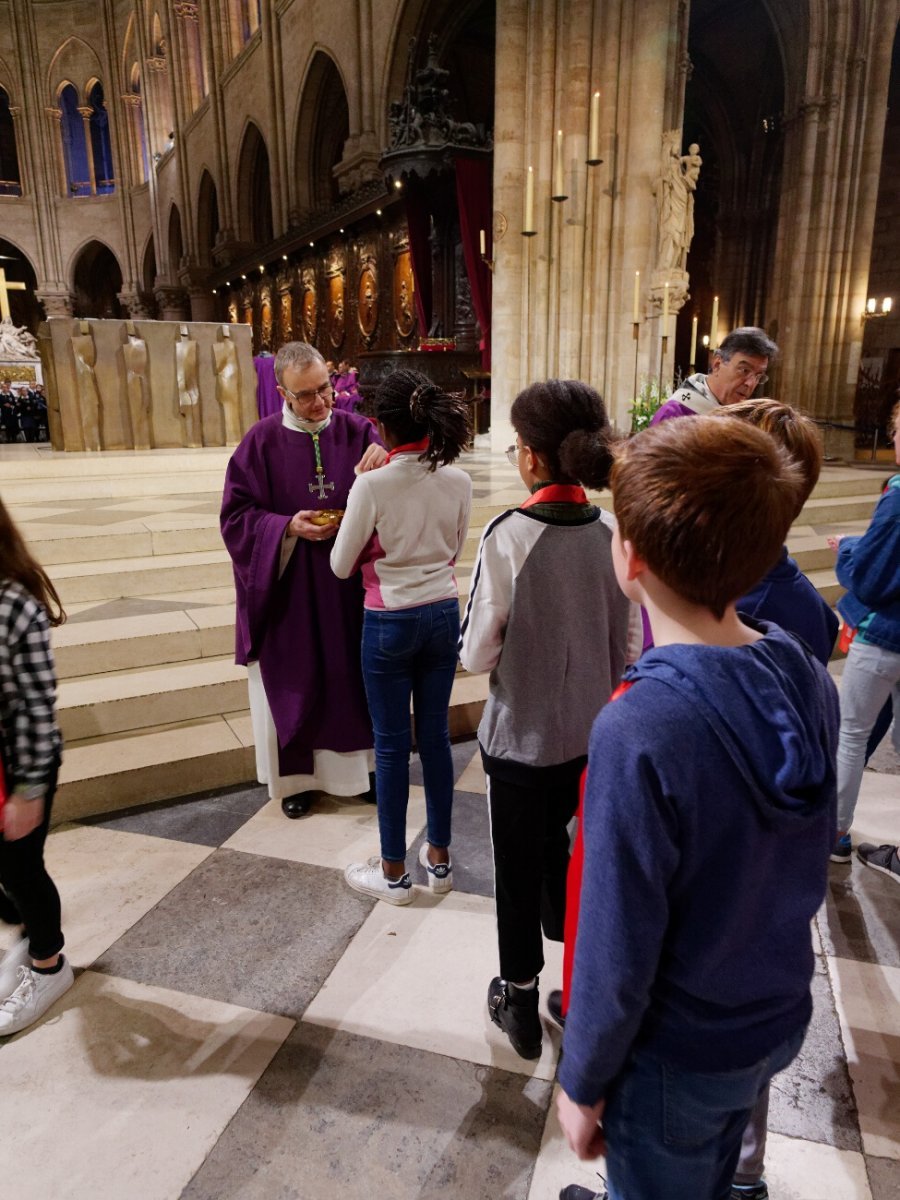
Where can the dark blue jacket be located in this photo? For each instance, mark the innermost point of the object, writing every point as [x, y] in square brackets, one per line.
[869, 568]
[709, 815]
[787, 597]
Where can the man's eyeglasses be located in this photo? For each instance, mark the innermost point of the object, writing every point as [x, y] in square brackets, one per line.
[512, 455]
[325, 391]
[745, 372]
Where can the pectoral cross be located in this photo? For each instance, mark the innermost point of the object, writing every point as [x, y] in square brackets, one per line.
[5, 288]
[321, 485]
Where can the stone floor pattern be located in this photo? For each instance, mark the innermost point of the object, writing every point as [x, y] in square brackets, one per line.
[244, 1027]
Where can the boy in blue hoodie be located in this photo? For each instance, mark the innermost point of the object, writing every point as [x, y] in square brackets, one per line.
[709, 814]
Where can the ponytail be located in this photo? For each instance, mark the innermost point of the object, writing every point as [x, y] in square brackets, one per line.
[411, 407]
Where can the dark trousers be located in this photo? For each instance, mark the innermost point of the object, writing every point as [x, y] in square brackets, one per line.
[29, 895]
[529, 819]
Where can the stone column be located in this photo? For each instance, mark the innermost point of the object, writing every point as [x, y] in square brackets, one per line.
[135, 305]
[173, 303]
[56, 302]
[563, 298]
[55, 115]
[86, 113]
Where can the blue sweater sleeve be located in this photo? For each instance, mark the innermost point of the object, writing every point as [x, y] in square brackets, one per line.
[630, 855]
[869, 566]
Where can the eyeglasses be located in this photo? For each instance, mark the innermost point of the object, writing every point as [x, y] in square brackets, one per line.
[745, 372]
[324, 391]
[512, 455]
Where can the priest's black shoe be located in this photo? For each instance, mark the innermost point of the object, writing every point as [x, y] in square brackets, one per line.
[515, 1010]
[297, 806]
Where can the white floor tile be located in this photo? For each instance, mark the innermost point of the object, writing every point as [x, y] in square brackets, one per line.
[144, 1082]
[419, 976]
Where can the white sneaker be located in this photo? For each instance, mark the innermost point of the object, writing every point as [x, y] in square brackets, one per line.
[33, 997]
[17, 956]
[440, 876]
[369, 879]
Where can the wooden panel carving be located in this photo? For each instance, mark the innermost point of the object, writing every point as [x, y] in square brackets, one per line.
[336, 310]
[367, 300]
[404, 302]
[266, 330]
[310, 309]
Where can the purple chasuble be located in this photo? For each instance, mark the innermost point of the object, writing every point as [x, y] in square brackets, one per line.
[268, 401]
[305, 629]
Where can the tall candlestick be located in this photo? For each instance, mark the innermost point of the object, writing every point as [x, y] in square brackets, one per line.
[665, 331]
[594, 131]
[559, 174]
[481, 242]
[529, 229]
[714, 325]
[636, 315]
[693, 358]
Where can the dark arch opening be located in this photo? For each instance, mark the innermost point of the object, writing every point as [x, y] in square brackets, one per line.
[207, 218]
[322, 130]
[75, 149]
[97, 282]
[254, 189]
[101, 148]
[176, 244]
[10, 179]
[24, 307]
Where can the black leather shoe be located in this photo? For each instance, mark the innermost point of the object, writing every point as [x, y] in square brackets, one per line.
[554, 1008]
[516, 1012]
[297, 806]
[576, 1192]
[370, 796]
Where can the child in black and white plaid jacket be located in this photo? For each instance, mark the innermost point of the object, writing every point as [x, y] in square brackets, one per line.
[34, 973]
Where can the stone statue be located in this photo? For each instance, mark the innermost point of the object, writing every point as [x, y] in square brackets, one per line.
[188, 389]
[137, 382]
[85, 353]
[675, 201]
[225, 364]
[16, 345]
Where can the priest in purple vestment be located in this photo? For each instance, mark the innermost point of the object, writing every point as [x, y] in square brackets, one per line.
[298, 626]
[346, 389]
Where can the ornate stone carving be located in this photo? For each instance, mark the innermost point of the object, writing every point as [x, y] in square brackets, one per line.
[228, 389]
[186, 10]
[157, 62]
[336, 310]
[85, 354]
[16, 344]
[137, 387]
[310, 304]
[674, 192]
[266, 330]
[187, 380]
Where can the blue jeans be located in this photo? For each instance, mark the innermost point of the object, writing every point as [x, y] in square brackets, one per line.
[676, 1133]
[411, 652]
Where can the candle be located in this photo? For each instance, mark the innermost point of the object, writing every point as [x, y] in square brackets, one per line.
[529, 201]
[665, 332]
[481, 242]
[559, 176]
[693, 358]
[594, 130]
[714, 324]
[636, 314]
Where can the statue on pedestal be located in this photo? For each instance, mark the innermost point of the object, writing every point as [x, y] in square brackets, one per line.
[85, 353]
[674, 193]
[188, 389]
[137, 382]
[225, 364]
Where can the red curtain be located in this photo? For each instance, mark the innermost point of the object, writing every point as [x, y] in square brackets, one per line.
[418, 223]
[475, 201]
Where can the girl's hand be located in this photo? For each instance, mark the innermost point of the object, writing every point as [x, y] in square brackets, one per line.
[21, 817]
[834, 542]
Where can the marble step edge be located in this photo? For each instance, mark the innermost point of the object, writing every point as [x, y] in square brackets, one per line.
[60, 465]
[107, 774]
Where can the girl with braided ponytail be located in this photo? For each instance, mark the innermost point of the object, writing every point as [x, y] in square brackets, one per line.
[546, 617]
[404, 528]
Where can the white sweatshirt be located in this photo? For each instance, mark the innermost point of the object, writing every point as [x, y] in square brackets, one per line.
[404, 527]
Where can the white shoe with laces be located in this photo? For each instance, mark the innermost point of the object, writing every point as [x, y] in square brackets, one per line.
[17, 956]
[34, 995]
[440, 875]
[370, 879]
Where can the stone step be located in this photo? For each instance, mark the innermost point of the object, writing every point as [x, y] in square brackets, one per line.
[129, 643]
[55, 469]
[173, 482]
[123, 701]
[836, 510]
[110, 579]
[106, 773]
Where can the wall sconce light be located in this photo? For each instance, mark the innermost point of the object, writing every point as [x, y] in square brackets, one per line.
[705, 340]
[872, 308]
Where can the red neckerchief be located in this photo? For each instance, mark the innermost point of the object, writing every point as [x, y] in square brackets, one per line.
[409, 448]
[557, 493]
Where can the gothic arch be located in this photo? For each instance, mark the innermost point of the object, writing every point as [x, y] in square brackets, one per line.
[207, 217]
[175, 243]
[254, 192]
[96, 280]
[19, 267]
[323, 126]
[10, 171]
[7, 81]
[74, 62]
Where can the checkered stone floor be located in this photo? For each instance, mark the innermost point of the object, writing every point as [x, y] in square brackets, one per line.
[244, 1027]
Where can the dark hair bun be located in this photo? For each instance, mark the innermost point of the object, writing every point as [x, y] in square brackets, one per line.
[586, 455]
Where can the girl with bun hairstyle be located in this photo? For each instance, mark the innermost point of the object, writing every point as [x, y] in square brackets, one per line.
[404, 528]
[546, 617]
